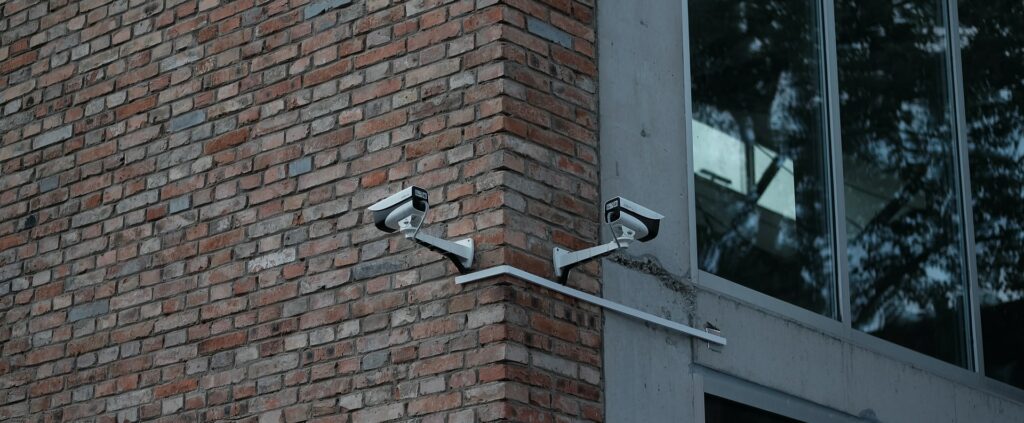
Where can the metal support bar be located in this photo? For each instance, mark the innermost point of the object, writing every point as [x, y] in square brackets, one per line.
[460, 252]
[565, 260]
[575, 293]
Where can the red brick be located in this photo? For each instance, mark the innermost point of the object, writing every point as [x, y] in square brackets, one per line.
[86, 344]
[323, 317]
[379, 54]
[328, 72]
[376, 90]
[277, 90]
[57, 75]
[433, 36]
[222, 342]
[276, 24]
[223, 308]
[356, 310]
[175, 388]
[226, 239]
[437, 365]
[276, 294]
[226, 141]
[380, 124]
[44, 354]
[10, 65]
[47, 386]
[435, 403]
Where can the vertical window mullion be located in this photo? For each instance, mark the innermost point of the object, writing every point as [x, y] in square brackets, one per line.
[972, 290]
[835, 151]
[691, 197]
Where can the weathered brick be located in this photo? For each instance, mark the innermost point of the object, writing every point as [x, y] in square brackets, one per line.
[186, 120]
[19, 90]
[325, 280]
[549, 32]
[174, 355]
[380, 413]
[91, 216]
[300, 166]
[176, 320]
[271, 225]
[319, 6]
[324, 210]
[222, 342]
[44, 354]
[433, 404]
[92, 309]
[52, 137]
[179, 204]
[176, 387]
[272, 260]
[136, 201]
[275, 364]
[432, 71]
[129, 399]
[380, 124]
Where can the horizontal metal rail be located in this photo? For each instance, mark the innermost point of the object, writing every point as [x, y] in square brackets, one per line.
[575, 293]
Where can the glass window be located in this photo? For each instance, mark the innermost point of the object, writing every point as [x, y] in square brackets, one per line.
[899, 168]
[992, 44]
[759, 156]
[721, 410]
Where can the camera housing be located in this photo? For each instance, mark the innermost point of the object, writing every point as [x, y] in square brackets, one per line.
[628, 221]
[405, 211]
[402, 211]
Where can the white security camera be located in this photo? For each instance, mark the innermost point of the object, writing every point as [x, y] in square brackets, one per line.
[629, 222]
[404, 211]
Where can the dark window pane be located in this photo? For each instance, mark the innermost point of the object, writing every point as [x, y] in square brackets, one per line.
[721, 410]
[903, 226]
[992, 48]
[759, 155]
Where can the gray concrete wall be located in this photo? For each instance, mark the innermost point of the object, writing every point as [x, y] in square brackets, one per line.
[653, 375]
[641, 102]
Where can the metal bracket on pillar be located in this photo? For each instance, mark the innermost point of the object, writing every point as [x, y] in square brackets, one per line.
[593, 299]
[460, 252]
[564, 260]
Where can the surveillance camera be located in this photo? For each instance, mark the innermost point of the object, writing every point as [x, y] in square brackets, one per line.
[402, 211]
[631, 221]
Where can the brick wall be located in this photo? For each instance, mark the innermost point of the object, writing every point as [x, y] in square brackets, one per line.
[183, 224]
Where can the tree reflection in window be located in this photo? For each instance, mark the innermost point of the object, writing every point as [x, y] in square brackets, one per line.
[992, 46]
[760, 180]
[899, 167]
[762, 217]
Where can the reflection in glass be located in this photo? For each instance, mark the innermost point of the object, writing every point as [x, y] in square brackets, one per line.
[992, 48]
[758, 140]
[903, 230]
[721, 410]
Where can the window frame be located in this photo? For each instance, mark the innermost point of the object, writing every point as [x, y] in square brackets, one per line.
[840, 327]
[711, 382]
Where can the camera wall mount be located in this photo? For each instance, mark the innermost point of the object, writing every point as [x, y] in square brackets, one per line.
[629, 222]
[404, 212]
